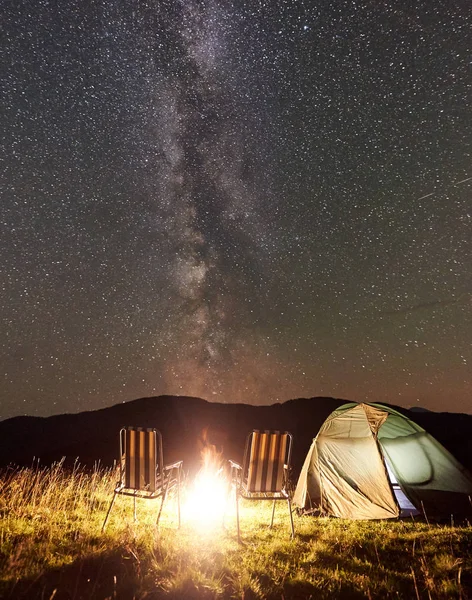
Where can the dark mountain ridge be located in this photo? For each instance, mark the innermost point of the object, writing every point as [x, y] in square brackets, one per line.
[92, 437]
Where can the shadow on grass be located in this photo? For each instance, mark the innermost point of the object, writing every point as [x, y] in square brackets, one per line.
[108, 575]
[118, 575]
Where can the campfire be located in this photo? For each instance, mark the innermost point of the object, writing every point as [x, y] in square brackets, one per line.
[207, 494]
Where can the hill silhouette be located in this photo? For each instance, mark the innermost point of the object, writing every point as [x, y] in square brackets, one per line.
[92, 437]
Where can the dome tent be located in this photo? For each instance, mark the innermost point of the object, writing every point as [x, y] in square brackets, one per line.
[346, 471]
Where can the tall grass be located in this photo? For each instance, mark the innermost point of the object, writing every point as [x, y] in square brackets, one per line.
[51, 546]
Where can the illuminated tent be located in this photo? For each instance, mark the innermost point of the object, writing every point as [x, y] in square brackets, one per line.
[369, 461]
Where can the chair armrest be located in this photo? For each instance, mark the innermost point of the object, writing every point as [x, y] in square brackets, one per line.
[236, 473]
[176, 465]
[287, 478]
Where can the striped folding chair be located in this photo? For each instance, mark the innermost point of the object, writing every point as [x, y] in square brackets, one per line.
[264, 474]
[142, 471]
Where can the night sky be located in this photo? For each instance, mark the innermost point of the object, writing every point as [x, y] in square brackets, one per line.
[246, 201]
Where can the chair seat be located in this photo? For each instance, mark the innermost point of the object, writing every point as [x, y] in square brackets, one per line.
[245, 493]
[163, 481]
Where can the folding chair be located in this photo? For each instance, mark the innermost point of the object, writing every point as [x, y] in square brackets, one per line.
[264, 474]
[142, 470]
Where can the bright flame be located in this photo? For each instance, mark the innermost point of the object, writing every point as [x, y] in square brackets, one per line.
[206, 502]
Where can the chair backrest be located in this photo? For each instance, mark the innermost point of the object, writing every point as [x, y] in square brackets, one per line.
[141, 458]
[265, 456]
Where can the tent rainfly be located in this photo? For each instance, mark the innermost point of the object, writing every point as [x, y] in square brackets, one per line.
[369, 461]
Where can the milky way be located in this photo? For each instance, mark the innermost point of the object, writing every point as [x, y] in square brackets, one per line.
[244, 201]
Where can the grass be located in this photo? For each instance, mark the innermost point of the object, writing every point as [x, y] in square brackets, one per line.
[51, 546]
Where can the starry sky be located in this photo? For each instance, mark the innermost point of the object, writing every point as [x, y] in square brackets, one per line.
[242, 200]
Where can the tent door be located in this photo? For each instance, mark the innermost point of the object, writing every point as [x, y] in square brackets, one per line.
[406, 507]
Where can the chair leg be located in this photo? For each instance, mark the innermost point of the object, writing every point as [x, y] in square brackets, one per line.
[162, 503]
[291, 517]
[273, 513]
[160, 509]
[237, 513]
[108, 513]
[227, 498]
[178, 493]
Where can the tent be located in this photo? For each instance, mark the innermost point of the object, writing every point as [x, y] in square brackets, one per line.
[369, 461]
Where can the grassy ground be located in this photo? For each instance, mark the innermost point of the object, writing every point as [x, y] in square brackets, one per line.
[51, 546]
